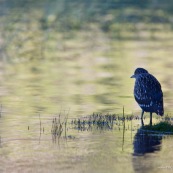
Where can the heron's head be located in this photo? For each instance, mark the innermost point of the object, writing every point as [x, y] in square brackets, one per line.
[139, 71]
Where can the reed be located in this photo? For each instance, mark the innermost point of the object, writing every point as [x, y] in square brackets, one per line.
[59, 125]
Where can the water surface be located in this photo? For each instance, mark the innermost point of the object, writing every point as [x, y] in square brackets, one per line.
[58, 57]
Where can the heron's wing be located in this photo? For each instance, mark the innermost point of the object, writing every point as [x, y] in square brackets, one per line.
[147, 90]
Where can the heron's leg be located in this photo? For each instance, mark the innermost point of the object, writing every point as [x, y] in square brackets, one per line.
[150, 118]
[142, 122]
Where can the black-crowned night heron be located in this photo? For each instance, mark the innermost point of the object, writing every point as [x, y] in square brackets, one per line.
[148, 93]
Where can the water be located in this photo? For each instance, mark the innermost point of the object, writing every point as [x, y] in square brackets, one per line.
[60, 57]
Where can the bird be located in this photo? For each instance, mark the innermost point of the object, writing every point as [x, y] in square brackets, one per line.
[148, 93]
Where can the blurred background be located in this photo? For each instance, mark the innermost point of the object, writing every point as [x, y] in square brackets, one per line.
[80, 54]
[76, 57]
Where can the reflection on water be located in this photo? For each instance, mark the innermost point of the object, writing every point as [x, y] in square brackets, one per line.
[146, 143]
[151, 152]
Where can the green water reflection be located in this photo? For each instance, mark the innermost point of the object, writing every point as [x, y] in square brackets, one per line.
[70, 55]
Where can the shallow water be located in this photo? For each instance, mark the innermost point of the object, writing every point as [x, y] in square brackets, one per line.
[45, 71]
[93, 150]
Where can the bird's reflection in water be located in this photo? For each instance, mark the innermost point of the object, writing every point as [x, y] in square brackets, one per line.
[145, 144]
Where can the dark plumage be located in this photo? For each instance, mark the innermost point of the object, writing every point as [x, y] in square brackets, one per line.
[148, 93]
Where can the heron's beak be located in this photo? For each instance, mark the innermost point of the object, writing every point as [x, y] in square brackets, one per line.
[133, 76]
